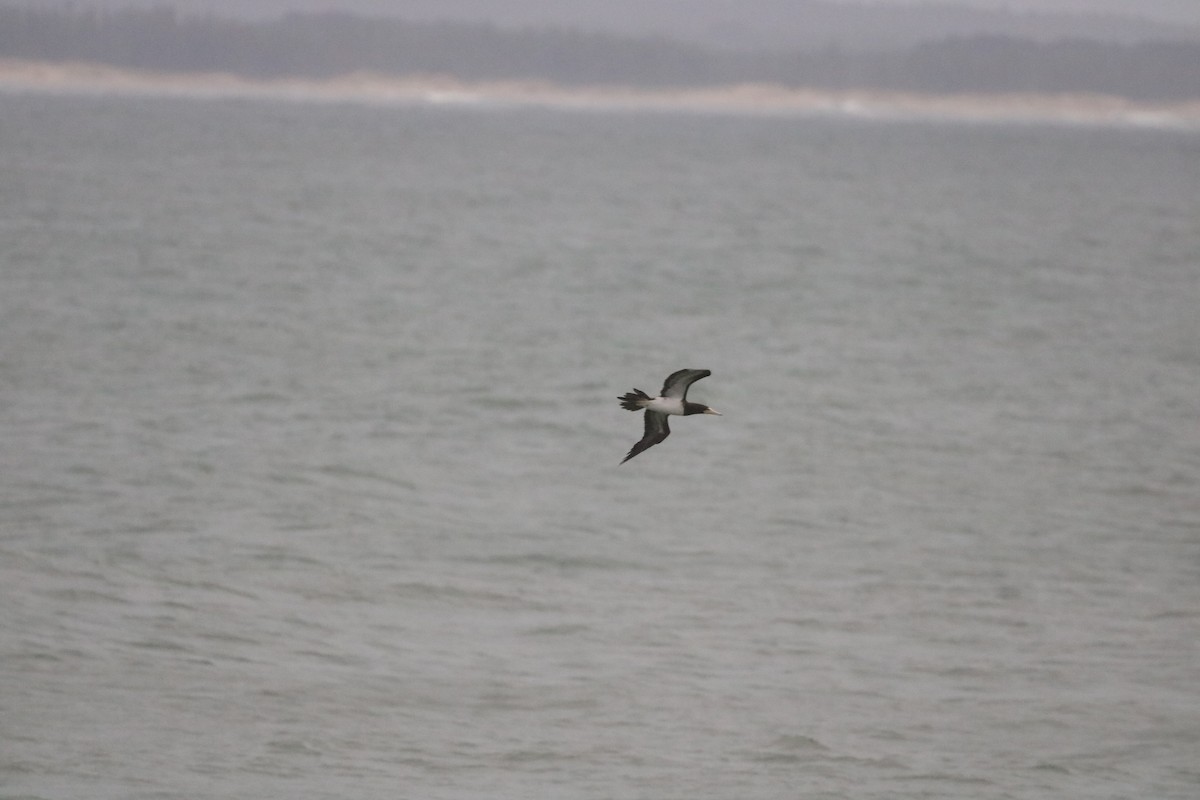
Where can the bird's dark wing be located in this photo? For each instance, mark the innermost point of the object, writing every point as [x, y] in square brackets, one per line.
[677, 383]
[656, 431]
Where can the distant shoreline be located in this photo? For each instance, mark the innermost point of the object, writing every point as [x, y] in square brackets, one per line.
[762, 99]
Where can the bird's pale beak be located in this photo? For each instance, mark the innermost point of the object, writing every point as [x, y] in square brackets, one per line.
[713, 411]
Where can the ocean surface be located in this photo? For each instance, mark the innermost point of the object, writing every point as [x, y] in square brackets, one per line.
[310, 482]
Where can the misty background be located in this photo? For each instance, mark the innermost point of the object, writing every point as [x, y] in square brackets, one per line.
[935, 48]
[750, 24]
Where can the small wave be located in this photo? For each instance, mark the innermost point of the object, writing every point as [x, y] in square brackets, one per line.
[258, 398]
[946, 777]
[344, 471]
[799, 742]
[417, 590]
[562, 562]
[565, 629]
[164, 645]
[795, 743]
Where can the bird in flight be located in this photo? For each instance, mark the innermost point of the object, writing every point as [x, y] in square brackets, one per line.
[672, 400]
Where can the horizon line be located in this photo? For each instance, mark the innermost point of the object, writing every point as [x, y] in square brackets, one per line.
[764, 99]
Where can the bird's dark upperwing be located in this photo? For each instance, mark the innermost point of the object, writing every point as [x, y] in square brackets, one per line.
[656, 431]
[677, 383]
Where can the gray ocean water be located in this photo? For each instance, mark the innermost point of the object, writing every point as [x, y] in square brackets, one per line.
[310, 455]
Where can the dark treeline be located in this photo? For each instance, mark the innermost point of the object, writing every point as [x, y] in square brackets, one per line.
[325, 45]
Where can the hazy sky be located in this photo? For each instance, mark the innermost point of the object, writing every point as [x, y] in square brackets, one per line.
[1174, 10]
[1179, 11]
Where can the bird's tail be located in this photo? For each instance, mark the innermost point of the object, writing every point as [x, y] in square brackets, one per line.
[634, 401]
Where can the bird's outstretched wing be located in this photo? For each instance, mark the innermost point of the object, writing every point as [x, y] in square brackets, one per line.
[656, 430]
[677, 383]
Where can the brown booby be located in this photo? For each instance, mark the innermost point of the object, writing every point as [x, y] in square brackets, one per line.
[671, 400]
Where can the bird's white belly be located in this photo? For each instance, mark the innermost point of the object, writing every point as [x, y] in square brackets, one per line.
[666, 405]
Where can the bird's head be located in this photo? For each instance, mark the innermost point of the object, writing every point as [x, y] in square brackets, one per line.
[698, 408]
